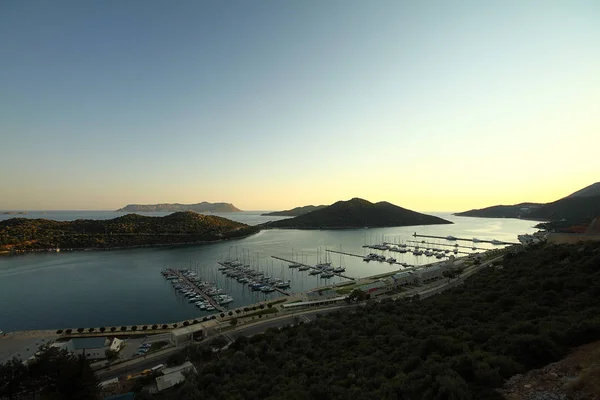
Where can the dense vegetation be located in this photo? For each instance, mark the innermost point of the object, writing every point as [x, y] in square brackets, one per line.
[357, 213]
[125, 231]
[577, 208]
[522, 314]
[54, 375]
[294, 212]
[173, 207]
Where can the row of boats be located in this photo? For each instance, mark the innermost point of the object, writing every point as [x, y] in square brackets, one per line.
[188, 283]
[256, 280]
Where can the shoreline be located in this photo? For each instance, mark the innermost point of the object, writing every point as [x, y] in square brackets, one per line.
[8, 253]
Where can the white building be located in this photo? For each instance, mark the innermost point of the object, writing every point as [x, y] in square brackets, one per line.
[404, 278]
[93, 348]
[173, 376]
[429, 274]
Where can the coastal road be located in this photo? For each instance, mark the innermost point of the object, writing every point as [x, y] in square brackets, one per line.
[250, 330]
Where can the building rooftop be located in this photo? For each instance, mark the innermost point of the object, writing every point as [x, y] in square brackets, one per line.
[88, 343]
[170, 380]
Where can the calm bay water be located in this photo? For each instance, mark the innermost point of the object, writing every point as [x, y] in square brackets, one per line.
[105, 288]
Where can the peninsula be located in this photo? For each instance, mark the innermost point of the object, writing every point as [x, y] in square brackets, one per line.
[357, 213]
[294, 212]
[131, 230]
[579, 207]
[174, 207]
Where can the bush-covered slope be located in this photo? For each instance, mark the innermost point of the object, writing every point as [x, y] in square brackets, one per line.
[128, 230]
[458, 345]
[294, 212]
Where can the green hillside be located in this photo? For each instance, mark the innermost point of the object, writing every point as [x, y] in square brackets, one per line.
[358, 213]
[128, 230]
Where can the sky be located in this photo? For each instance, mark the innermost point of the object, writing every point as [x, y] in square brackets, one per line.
[430, 105]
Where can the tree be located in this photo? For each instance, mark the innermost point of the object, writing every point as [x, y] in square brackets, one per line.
[230, 313]
[68, 331]
[123, 328]
[262, 306]
[80, 330]
[145, 327]
[113, 328]
[134, 328]
[165, 326]
[270, 305]
[111, 355]
[102, 329]
[185, 323]
[219, 342]
[222, 315]
[91, 330]
[154, 326]
[174, 325]
[58, 332]
[357, 295]
[233, 321]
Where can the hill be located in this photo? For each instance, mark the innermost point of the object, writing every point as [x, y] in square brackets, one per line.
[589, 191]
[174, 207]
[579, 207]
[130, 230]
[528, 311]
[357, 213]
[294, 212]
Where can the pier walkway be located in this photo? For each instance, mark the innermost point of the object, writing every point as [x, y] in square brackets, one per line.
[198, 290]
[446, 244]
[313, 267]
[359, 256]
[466, 240]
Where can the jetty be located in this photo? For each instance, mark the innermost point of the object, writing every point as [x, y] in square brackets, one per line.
[210, 300]
[313, 267]
[421, 243]
[452, 238]
[359, 256]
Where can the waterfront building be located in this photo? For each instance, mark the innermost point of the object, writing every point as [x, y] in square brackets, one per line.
[92, 348]
[429, 274]
[320, 294]
[404, 278]
[314, 303]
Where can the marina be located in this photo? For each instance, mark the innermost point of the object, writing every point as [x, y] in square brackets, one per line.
[324, 269]
[188, 284]
[255, 279]
[457, 246]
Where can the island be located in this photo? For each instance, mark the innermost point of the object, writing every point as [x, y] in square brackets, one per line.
[13, 212]
[357, 213]
[579, 207]
[131, 230]
[294, 212]
[173, 207]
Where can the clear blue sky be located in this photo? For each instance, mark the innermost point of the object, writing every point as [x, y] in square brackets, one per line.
[432, 105]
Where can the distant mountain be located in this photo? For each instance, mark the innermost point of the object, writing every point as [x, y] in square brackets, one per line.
[357, 213]
[294, 212]
[579, 207]
[130, 230]
[174, 207]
